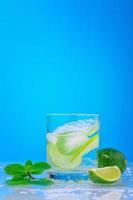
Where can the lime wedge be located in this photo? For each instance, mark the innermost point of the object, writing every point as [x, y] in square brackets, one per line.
[88, 146]
[105, 175]
[60, 160]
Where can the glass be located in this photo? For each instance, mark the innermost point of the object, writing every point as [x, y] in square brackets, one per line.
[72, 143]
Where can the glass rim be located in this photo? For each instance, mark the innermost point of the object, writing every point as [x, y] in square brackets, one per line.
[71, 114]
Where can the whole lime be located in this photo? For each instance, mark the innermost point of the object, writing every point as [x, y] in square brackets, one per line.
[111, 157]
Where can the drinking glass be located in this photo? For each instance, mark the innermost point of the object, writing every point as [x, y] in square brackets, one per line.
[72, 144]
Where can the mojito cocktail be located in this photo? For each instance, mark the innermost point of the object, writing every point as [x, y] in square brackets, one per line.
[72, 141]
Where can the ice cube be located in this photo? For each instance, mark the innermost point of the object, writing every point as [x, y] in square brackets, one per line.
[70, 142]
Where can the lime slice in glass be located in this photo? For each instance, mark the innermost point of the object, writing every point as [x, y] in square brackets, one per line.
[60, 160]
[105, 175]
[88, 146]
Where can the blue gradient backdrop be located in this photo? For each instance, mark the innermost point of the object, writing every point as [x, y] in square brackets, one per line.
[64, 56]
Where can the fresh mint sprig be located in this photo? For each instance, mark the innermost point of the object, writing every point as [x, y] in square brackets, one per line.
[23, 174]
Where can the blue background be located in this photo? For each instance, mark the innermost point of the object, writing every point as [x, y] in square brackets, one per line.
[60, 56]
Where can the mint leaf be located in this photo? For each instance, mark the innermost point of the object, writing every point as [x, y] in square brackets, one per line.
[22, 175]
[18, 181]
[15, 169]
[39, 167]
[42, 181]
[28, 165]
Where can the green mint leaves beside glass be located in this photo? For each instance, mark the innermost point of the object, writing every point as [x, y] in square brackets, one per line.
[24, 174]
